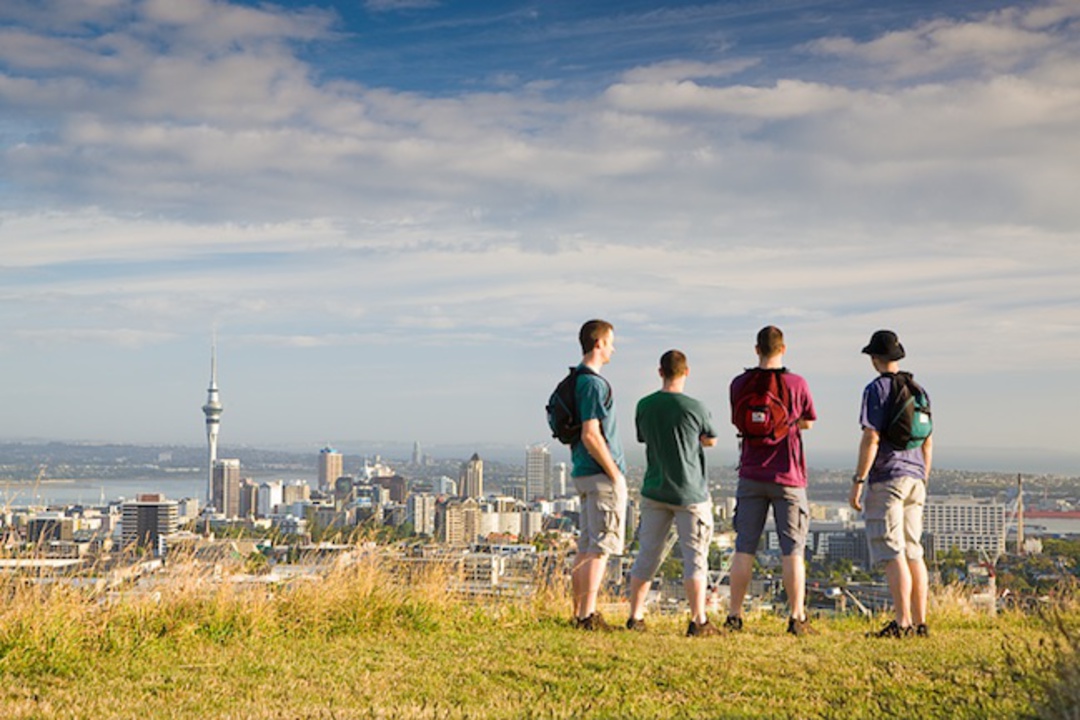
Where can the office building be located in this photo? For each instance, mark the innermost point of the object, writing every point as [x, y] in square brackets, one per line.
[331, 464]
[225, 488]
[421, 513]
[472, 478]
[458, 521]
[537, 473]
[966, 523]
[559, 475]
[147, 520]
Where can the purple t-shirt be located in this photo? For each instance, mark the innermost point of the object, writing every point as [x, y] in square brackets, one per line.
[890, 463]
[783, 463]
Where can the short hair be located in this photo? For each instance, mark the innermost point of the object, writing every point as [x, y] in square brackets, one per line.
[770, 340]
[673, 364]
[591, 332]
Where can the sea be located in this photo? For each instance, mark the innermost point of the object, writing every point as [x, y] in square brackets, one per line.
[91, 492]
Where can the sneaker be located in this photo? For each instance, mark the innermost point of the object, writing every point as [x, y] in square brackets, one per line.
[921, 630]
[799, 627]
[593, 623]
[705, 629]
[733, 623]
[635, 625]
[891, 630]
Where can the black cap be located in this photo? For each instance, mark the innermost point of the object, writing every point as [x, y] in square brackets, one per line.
[884, 343]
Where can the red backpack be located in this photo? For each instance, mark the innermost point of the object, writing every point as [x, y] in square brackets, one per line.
[762, 409]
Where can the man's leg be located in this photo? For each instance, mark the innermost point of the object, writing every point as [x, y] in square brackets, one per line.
[899, 576]
[919, 590]
[639, 593]
[742, 569]
[695, 525]
[913, 525]
[794, 571]
[751, 510]
[588, 575]
[791, 510]
[653, 531]
[695, 597]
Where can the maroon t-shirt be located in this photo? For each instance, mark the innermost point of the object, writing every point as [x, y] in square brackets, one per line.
[783, 463]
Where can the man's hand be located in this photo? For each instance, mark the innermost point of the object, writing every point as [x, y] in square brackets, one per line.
[855, 497]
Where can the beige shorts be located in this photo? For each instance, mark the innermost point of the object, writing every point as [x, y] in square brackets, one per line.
[894, 518]
[603, 515]
[695, 526]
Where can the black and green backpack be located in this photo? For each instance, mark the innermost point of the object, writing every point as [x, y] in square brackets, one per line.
[908, 417]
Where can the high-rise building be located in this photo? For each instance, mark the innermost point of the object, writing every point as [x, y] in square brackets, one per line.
[249, 498]
[147, 519]
[472, 478]
[295, 491]
[417, 454]
[421, 513]
[558, 480]
[212, 410]
[537, 472]
[966, 523]
[395, 484]
[331, 466]
[225, 487]
[270, 496]
[459, 521]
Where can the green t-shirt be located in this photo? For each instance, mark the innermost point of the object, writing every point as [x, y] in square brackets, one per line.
[671, 426]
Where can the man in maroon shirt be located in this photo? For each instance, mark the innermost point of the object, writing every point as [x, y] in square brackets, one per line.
[772, 474]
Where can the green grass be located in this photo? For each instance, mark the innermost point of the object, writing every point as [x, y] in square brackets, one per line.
[360, 646]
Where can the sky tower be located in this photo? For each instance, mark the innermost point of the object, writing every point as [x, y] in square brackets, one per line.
[212, 409]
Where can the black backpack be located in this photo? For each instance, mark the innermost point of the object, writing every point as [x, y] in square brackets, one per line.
[562, 410]
[761, 410]
[908, 420]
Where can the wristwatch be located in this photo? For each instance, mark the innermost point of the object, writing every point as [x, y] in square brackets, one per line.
[856, 480]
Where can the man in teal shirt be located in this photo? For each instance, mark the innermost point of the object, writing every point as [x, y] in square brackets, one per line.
[676, 429]
[598, 474]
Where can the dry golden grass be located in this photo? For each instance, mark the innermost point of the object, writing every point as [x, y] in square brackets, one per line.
[379, 638]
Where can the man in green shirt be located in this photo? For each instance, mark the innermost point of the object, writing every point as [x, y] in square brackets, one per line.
[675, 429]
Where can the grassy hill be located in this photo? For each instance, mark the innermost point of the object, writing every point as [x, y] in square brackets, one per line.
[361, 644]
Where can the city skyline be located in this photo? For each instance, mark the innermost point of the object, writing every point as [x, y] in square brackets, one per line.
[395, 215]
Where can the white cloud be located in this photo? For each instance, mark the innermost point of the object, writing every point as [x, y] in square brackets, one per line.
[995, 42]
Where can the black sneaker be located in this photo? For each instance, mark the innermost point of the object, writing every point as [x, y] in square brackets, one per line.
[799, 628]
[705, 629]
[921, 630]
[891, 630]
[733, 623]
[635, 625]
[593, 623]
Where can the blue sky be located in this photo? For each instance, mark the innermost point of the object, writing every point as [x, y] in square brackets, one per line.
[395, 214]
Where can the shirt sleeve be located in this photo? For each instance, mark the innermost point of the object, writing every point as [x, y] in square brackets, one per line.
[637, 422]
[872, 414]
[707, 428]
[590, 398]
[807, 411]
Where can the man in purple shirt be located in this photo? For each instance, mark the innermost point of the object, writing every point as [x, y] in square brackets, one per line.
[772, 474]
[896, 495]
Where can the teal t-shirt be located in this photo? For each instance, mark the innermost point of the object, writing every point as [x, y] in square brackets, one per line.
[671, 426]
[595, 402]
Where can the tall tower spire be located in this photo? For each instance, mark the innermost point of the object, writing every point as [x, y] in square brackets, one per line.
[212, 409]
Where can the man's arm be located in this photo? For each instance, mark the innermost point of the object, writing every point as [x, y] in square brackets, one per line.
[805, 424]
[593, 440]
[928, 454]
[708, 440]
[868, 448]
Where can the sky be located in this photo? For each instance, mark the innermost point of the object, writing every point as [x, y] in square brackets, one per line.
[394, 215]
